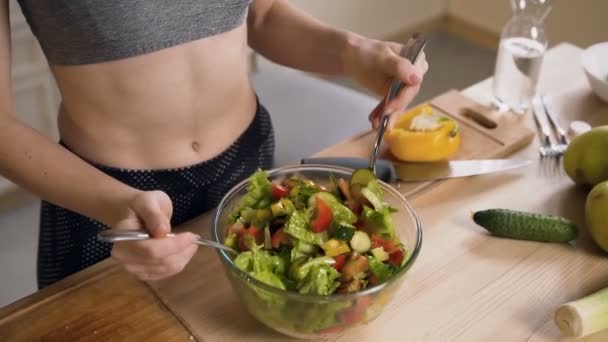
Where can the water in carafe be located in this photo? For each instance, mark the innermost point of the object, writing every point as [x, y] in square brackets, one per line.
[520, 55]
[517, 70]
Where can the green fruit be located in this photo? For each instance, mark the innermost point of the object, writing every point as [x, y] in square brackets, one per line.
[596, 212]
[586, 159]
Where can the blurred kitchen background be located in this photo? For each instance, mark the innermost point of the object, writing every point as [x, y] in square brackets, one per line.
[463, 37]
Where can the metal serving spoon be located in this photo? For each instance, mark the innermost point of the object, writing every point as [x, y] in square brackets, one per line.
[411, 51]
[114, 235]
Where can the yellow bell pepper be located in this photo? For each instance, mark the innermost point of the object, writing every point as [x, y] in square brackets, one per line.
[335, 247]
[423, 135]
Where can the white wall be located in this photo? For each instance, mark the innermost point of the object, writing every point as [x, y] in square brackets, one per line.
[374, 18]
[582, 22]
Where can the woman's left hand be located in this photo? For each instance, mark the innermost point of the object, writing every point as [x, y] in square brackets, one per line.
[374, 64]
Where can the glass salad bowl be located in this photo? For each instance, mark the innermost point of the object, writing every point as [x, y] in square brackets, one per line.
[316, 316]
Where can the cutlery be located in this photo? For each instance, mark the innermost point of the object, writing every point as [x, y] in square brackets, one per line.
[559, 131]
[411, 52]
[390, 171]
[115, 235]
[550, 154]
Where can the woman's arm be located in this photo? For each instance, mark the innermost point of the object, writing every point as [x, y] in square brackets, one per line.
[41, 166]
[37, 164]
[286, 35]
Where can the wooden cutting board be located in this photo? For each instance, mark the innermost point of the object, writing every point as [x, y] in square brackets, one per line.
[508, 134]
[101, 303]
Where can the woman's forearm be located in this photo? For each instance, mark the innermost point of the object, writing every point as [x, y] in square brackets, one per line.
[288, 36]
[53, 173]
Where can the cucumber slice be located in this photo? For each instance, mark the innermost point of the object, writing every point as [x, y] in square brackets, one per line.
[526, 226]
[325, 196]
[295, 266]
[231, 241]
[345, 232]
[355, 191]
[372, 198]
[380, 254]
[361, 242]
[362, 177]
[305, 248]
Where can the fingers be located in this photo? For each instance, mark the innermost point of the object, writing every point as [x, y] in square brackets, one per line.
[411, 75]
[154, 209]
[376, 114]
[393, 66]
[168, 267]
[421, 64]
[153, 251]
[155, 258]
[401, 69]
[152, 263]
[395, 105]
[405, 97]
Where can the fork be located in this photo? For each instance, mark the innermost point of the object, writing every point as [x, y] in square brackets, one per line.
[548, 152]
[562, 138]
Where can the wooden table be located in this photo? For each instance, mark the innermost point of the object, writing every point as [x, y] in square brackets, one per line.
[465, 285]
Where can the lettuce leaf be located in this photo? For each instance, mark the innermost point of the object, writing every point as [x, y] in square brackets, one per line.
[340, 213]
[379, 221]
[297, 226]
[263, 266]
[373, 193]
[269, 278]
[302, 249]
[257, 196]
[301, 272]
[321, 279]
[381, 270]
[302, 191]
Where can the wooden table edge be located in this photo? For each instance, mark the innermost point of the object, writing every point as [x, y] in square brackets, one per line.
[76, 281]
[64, 286]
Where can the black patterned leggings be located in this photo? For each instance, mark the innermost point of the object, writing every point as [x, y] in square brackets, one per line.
[68, 241]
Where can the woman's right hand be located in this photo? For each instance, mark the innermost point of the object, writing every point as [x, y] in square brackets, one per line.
[156, 258]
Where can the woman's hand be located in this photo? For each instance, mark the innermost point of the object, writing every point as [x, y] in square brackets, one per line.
[155, 258]
[374, 64]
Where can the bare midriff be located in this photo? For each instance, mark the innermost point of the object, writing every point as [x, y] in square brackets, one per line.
[170, 108]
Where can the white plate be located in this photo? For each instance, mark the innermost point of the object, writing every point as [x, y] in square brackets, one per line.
[595, 64]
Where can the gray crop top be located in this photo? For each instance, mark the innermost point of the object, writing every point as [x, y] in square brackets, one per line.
[92, 31]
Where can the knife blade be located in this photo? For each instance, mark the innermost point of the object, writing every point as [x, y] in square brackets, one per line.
[390, 171]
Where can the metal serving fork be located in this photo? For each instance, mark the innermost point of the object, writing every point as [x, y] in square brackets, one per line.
[548, 152]
[562, 138]
[411, 51]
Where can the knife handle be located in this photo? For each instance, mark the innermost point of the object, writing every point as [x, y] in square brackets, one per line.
[385, 171]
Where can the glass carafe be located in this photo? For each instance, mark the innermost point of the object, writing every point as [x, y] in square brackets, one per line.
[523, 43]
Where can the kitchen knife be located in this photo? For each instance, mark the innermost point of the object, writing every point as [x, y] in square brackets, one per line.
[390, 171]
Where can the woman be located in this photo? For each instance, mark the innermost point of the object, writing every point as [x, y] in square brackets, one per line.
[158, 118]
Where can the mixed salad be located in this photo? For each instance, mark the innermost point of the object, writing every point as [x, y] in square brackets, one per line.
[298, 235]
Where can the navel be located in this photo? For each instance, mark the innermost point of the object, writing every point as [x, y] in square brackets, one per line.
[195, 146]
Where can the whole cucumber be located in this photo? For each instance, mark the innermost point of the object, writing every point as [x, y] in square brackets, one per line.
[526, 226]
